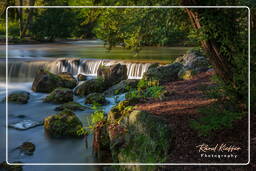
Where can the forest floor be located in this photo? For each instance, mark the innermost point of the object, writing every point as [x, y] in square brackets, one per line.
[180, 107]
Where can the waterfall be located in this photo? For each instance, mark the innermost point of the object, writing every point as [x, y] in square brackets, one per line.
[27, 70]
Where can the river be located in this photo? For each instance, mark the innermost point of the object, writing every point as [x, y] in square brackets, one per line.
[75, 57]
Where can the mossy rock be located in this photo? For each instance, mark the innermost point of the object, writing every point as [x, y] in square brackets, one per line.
[60, 95]
[154, 65]
[90, 86]
[118, 111]
[194, 60]
[63, 124]
[95, 98]
[186, 74]
[112, 74]
[81, 77]
[121, 87]
[70, 106]
[5, 167]
[163, 74]
[46, 82]
[147, 140]
[28, 148]
[68, 80]
[19, 97]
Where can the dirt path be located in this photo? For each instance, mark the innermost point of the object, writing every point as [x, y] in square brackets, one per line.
[180, 108]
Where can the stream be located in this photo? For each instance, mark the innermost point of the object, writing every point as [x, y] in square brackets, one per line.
[24, 61]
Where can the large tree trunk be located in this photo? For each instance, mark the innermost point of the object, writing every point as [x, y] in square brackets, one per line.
[218, 60]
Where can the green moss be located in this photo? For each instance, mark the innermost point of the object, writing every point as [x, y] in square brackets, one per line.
[63, 124]
[70, 106]
[146, 141]
[91, 86]
[20, 97]
[122, 109]
[95, 98]
[60, 95]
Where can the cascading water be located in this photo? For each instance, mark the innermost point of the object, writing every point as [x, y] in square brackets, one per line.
[28, 69]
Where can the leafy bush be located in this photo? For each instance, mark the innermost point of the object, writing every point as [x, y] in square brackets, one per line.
[96, 117]
[155, 92]
[144, 84]
[216, 117]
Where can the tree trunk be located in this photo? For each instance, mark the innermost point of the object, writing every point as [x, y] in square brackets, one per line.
[21, 18]
[29, 18]
[218, 60]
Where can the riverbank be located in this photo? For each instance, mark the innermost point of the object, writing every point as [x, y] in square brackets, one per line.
[180, 108]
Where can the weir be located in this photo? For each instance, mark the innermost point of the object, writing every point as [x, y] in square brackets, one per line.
[89, 67]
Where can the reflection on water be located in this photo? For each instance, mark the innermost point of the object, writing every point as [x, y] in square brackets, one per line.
[89, 49]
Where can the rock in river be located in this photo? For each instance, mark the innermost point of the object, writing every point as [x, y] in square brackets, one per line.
[60, 95]
[121, 87]
[27, 148]
[112, 74]
[6, 167]
[20, 97]
[63, 124]
[70, 106]
[81, 77]
[90, 86]
[46, 81]
[25, 124]
[95, 98]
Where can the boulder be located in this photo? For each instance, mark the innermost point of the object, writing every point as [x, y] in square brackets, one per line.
[70, 106]
[186, 74]
[4, 166]
[146, 138]
[63, 124]
[112, 74]
[164, 73]
[90, 86]
[46, 81]
[27, 148]
[68, 80]
[95, 98]
[122, 87]
[195, 61]
[81, 77]
[20, 97]
[153, 65]
[118, 111]
[60, 95]
[25, 124]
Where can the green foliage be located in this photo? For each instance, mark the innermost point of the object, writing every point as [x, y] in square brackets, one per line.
[134, 28]
[215, 117]
[144, 84]
[146, 89]
[146, 151]
[13, 29]
[96, 117]
[155, 92]
[47, 27]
